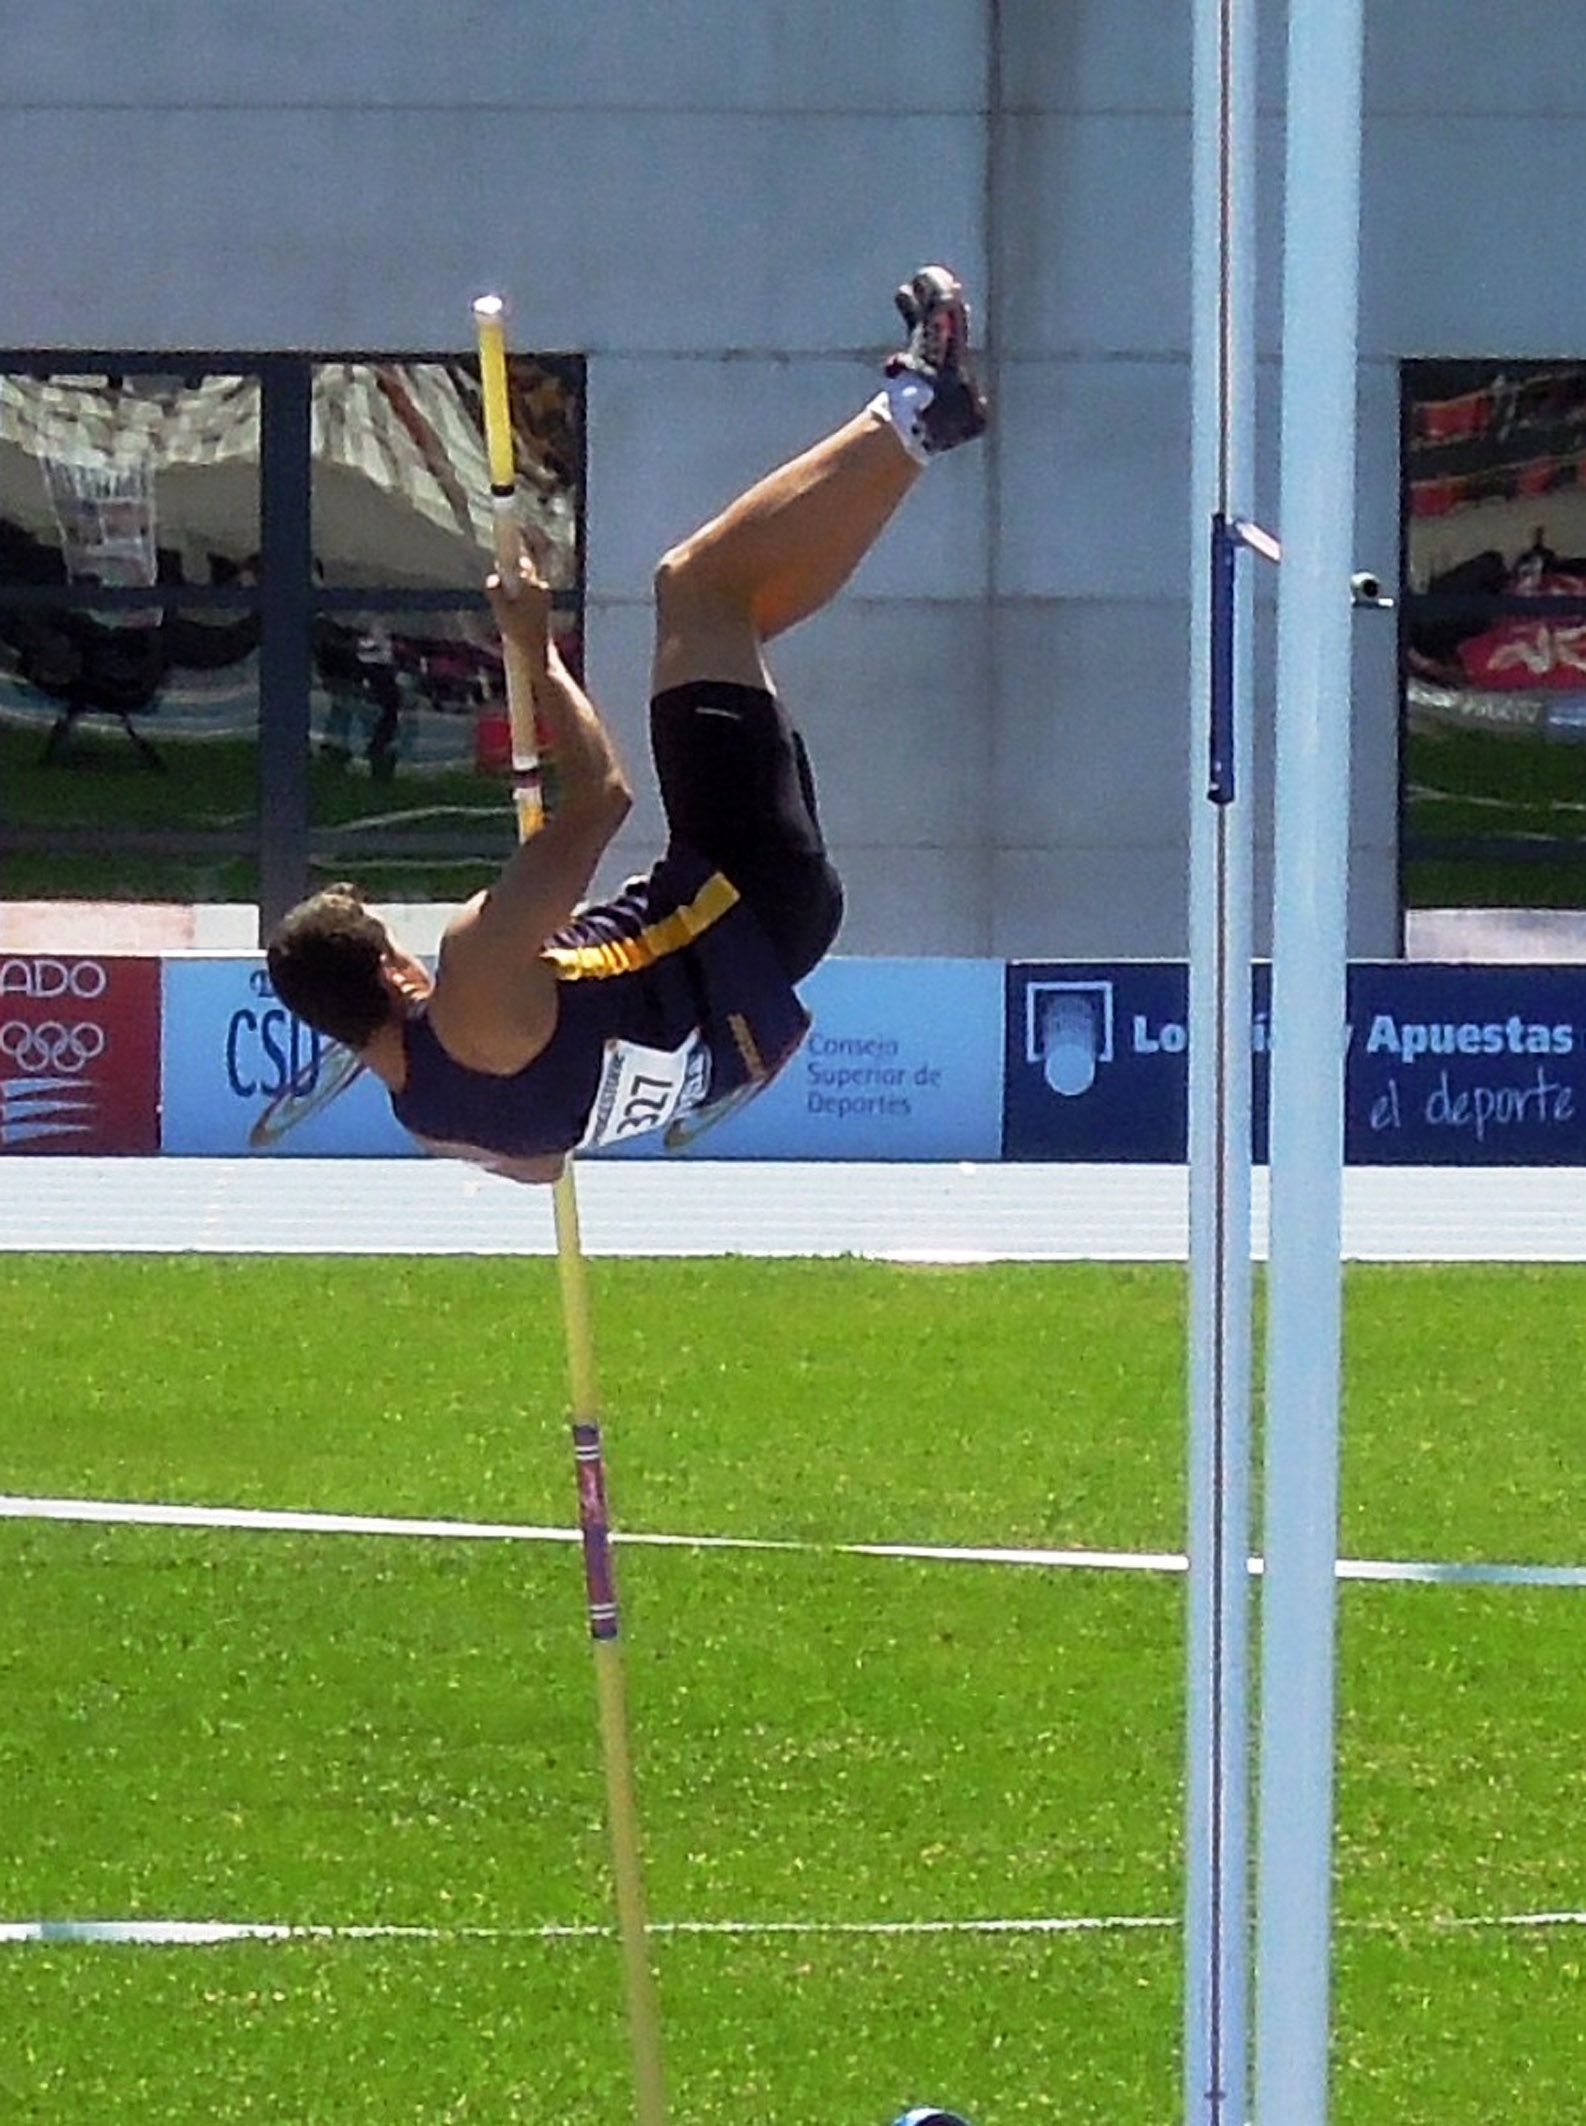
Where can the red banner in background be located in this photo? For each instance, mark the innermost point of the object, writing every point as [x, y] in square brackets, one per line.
[79, 1054]
[1528, 654]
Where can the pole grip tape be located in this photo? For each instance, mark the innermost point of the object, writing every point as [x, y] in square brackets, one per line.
[595, 1527]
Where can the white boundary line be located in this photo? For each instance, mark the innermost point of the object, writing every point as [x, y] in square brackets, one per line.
[205, 1933]
[212, 1933]
[153, 1514]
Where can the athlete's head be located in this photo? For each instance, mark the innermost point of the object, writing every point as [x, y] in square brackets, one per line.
[332, 963]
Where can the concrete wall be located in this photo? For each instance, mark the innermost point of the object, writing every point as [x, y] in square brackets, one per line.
[713, 199]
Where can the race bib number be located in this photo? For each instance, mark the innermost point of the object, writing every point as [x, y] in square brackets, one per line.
[646, 1088]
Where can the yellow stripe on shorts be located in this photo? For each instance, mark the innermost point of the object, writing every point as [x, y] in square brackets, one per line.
[612, 956]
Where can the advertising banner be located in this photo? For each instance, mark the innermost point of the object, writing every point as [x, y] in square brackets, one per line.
[1445, 1065]
[904, 1061]
[1096, 1062]
[1466, 1066]
[907, 1060]
[79, 1054]
[232, 1048]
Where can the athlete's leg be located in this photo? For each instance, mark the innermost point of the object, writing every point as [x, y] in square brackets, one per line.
[735, 777]
[787, 546]
[777, 554]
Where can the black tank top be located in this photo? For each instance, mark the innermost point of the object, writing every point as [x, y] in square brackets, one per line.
[676, 963]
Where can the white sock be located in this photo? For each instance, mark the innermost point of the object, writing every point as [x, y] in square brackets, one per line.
[902, 402]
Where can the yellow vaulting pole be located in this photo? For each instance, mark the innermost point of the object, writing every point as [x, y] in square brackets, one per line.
[622, 1822]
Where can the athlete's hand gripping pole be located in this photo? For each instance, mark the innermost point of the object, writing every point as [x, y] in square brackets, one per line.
[644, 2021]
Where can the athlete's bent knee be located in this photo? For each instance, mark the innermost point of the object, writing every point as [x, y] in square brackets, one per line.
[688, 585]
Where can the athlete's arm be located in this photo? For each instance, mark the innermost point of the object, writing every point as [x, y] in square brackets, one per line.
[549, 875]
[493, 989]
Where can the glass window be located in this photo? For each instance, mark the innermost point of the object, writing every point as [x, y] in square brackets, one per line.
[141, 599]
[129, 751]
[408, 781]
[129, 725]
[410, 775]
[401, 486]
[1494, 639]
[128, 480]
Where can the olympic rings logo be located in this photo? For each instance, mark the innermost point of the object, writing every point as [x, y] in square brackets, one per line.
[51, 1046]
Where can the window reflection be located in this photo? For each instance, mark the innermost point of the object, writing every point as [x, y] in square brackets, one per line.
[128, 481]
[129, 753]
[132, 611]
[1494, 692]
[410, 691]
[400, 480]
[411, 753]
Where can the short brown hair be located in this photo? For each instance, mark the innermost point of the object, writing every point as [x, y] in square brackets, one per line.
[325, 958]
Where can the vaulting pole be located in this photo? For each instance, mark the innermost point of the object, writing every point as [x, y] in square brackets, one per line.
[622, 1823]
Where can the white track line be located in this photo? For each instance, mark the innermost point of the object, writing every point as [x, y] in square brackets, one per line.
[211, 1933]
[205, 1933]
[150, 1514]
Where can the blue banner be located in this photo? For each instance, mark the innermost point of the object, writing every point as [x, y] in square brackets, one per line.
[231, 1048]
[1446, 1065]
[1466, 1066]
[904, 1062]
[1096, 1066]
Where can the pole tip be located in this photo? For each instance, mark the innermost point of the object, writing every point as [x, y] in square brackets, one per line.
[489, 306]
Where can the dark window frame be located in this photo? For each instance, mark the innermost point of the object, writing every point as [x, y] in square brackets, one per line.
[286, 599]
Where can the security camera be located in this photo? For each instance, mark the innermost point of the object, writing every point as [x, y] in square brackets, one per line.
[1366, 590]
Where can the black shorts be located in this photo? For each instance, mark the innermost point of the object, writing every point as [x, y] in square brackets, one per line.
[736, 784]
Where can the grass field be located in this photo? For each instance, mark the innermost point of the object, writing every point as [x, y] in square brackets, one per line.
[1473, 785]
[357, 1730]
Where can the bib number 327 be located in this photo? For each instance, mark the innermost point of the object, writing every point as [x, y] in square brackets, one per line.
[645, 1088]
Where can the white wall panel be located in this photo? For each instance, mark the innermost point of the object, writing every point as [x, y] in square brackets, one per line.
[1470, 245]
[1129, 902]
[917, 901]
[618, 638]
[373, 228]
[891, 697]
[539, 54]
[1448, 56]
[1095, 479]
[1061, 289]
[1373, 902]
[1433, 56]
[1092, 731]
[1094, 249]
[1095, 55]
[1125, 901]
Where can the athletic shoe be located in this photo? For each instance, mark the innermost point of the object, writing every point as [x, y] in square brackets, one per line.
[932, 306]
